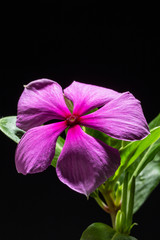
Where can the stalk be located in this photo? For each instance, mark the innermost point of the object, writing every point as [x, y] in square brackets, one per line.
[102, 204]
[125, 215]
[113, 208]
[131, 191]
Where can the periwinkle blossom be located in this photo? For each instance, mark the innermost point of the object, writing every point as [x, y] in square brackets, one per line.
[85, 162]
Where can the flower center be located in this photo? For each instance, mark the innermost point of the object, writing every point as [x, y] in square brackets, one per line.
[72, 120]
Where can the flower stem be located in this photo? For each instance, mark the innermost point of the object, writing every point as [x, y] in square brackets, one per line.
[113, 219]
[113, 208]
[124, 195]
[131, 191]
[124, 217]
[102, 204]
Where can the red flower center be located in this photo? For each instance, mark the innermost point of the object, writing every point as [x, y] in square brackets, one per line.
[72, 120]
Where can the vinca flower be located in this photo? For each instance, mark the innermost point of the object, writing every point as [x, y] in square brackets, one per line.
[85, 162]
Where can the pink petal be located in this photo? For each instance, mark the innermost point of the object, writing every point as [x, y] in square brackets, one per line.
[36, 149]
[42, 100]
[86, 96]
[85, 162]
[121, 118]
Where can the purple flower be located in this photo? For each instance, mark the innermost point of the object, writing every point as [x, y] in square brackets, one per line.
[85, 162]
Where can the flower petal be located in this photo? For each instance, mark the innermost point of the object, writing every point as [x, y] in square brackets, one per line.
[85, 162]
[42, 100]
[86, 96]
[121, 118]
[36, 149]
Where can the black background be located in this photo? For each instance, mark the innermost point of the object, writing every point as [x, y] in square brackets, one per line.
[65, 42]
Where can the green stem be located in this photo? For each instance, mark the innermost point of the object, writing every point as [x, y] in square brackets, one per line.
[102, 204]
[124, 224]
[131, 192]
[113, 181]
[113, 219]
[142, 163]
[122, 144]
[124, 195]
[112, 207]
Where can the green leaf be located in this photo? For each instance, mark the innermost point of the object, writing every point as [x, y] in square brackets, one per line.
[59, 146]
[147, 157]
[134, 149]
[146, 182]
[155, 122]
[101, 231]
[146, 169]
[8, 127]
[98, 231]
[119, 236]
[149, 176]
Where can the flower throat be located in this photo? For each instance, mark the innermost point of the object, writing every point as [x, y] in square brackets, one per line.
[72, 120]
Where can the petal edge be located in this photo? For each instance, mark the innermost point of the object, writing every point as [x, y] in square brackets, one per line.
[121, 118]
[42, 100]
[36, 149]
[86, 97]
[85, 162]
